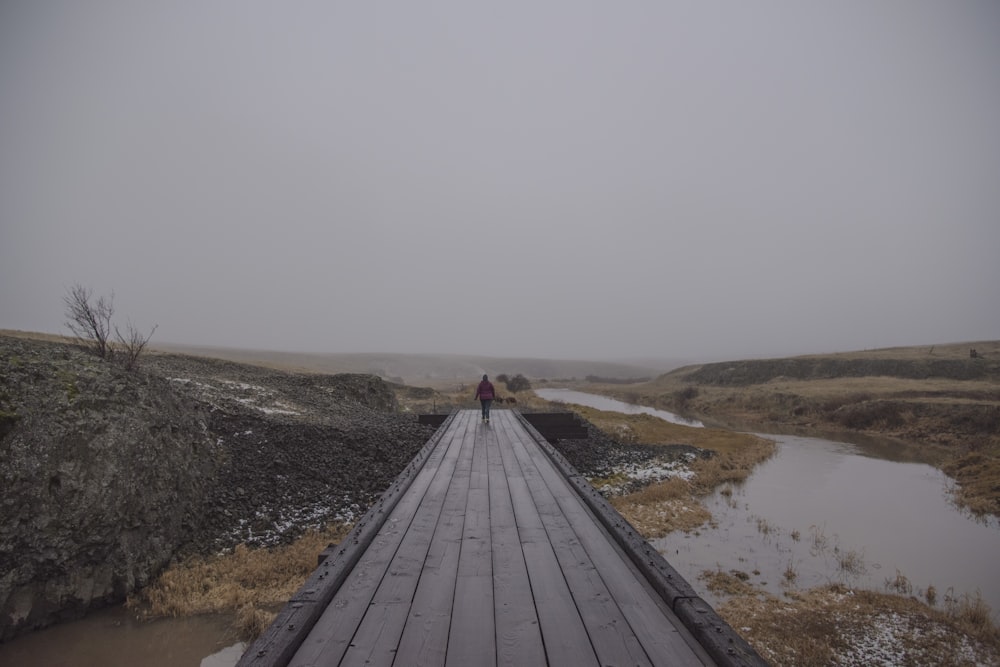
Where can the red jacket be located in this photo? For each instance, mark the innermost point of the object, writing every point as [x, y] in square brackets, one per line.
[485, 390]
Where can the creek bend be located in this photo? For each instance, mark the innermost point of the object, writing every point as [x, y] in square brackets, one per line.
[817, 503]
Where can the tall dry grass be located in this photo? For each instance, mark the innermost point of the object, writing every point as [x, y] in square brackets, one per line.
[246, 582]
[834, 624]
[661, 508]
[673, 504]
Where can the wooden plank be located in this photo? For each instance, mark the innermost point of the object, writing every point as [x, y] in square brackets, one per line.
[714, 636]
[424, 636]
[563, 632]
[472, 639]
[658, 630]
[333, 632]
[613, 640]
[379, 633]
[518, 634]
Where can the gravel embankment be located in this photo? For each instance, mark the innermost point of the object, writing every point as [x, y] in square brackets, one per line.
[300, 450]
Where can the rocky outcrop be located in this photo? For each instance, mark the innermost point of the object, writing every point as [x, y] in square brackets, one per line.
[107, 475]
[103, 473]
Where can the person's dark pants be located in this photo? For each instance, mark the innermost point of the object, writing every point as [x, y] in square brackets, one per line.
[486, 407]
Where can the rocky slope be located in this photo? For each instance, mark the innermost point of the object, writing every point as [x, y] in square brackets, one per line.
[108, 475]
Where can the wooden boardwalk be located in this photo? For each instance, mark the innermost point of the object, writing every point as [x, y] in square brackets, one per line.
[487, 551]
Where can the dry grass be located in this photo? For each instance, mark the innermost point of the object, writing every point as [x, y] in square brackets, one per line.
[653, 430]
[837, 625]
[978, 476]
[246, 582]
[662, 508]
[950, 423]
[672, 504]
[736, 454]
[732, 583]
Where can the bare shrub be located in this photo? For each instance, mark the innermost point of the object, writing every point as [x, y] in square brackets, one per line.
[900, 585]
[131, 345]
[90, 322]
[820, 542]
[518, 383]
[790, 574]
[851, 562]
[972, 614]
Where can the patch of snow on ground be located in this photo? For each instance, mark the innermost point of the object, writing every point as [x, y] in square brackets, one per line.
[281, 408]
[650, 472]
[281, 521]
[259, 398]
[889, 641]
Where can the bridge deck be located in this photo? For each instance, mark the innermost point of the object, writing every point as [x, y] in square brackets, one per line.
[488, 556]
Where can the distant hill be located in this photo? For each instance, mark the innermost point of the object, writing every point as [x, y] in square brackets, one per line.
[416, 369]
[951, 361]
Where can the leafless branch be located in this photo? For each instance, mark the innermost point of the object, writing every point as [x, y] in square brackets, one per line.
[131, 345]
[90, 322]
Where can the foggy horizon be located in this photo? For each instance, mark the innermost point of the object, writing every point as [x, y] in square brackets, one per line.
[558, 180]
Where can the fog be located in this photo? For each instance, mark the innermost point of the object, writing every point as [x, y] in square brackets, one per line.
[551, 179]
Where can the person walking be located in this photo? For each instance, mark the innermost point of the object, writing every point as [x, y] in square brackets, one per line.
[485, 394]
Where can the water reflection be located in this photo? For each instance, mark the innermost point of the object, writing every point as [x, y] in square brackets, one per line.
[114, 638]
[827, 511]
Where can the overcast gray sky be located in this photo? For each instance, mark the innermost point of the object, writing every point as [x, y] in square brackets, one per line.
[567, 179]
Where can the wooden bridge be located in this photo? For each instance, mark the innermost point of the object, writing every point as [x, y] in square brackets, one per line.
[489, 549]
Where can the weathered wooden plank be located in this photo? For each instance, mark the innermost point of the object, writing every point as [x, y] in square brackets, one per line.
[563, 632]
[716, 638]
[613, 640]
[379, 633]
[333, 632]
[518, 634]
[424, 641]
[662, 635]
[472, 639]
[424, 637]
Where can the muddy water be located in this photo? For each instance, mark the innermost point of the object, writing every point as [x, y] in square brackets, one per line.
[830, 511]
[113, 638]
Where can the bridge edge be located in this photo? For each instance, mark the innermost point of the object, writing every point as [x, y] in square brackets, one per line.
[717, 637]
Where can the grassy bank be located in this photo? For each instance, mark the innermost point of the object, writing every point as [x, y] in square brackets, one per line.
[838, 625]
[941, 401]
[249, 583]
[673, 504]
